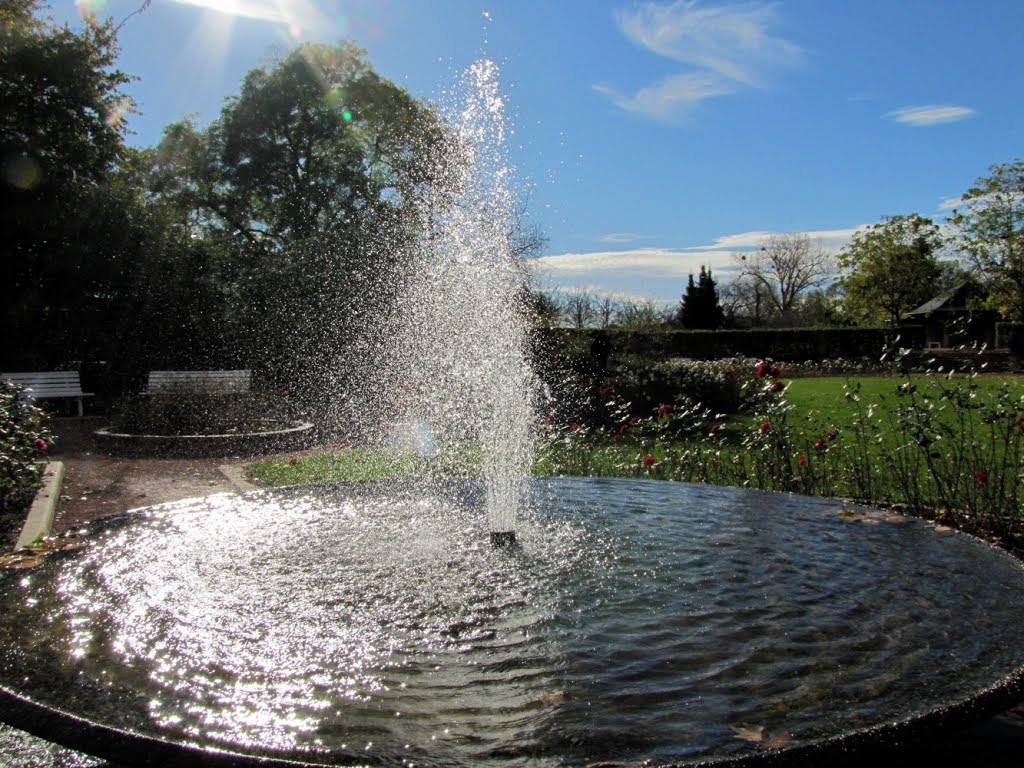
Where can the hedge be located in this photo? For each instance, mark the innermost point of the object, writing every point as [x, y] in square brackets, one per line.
[781, 344]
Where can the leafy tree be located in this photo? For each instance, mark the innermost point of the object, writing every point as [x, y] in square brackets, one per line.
[991, 232]
[784, 268]
[65, 226]
[699, 307]
[890, 268]
[304, 194]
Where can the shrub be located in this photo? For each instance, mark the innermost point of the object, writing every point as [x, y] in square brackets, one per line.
[192, 412]
[24, 438]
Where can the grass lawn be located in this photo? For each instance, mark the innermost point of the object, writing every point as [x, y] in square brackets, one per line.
[952, 448]
[818, 405]
[824, 400]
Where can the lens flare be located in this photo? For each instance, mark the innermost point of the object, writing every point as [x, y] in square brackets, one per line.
[116, 115]
[90, 10]
[21, 171]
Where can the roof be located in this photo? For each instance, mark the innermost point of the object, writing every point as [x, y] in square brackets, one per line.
[954, 301]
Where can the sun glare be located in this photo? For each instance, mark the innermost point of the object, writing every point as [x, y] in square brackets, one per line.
[299, 16]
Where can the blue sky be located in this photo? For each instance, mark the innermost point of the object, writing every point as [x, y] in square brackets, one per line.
[653, 137]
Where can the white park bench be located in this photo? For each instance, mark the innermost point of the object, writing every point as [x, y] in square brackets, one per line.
[49, 385]
[168, 382]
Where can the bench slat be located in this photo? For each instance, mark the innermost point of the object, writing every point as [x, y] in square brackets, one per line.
[41, 385]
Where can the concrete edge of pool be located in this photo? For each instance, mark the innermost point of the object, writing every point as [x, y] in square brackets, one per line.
[136, 749]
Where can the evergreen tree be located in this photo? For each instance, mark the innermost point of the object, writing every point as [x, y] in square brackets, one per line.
[699, 307]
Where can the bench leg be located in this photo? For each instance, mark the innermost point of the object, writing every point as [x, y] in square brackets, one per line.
[81, 410]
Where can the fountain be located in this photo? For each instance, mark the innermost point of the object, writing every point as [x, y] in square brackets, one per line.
[375, 623]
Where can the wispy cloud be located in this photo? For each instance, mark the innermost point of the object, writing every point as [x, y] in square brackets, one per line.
[727, 45]
[733, 41]
[831, 240]
[670, 97]
[621, 237]
[934, 114]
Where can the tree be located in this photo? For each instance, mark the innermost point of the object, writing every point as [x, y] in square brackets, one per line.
[744, 301]
[890, 268]
[606, 310]
[644, 315]
[699, 307]
[990, 225]
[786, 266]
[578, 309]
[61, 142]
[307, 194]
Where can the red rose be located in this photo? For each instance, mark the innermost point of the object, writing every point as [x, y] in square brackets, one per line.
[608, 391]
[981, 476]
[573, 427]
[819, 444]
[664, 409]
[649, 460]
[801, 460]
[761, 370]
[764, 426]
[41, 445]
[715, 428]
[293, 461]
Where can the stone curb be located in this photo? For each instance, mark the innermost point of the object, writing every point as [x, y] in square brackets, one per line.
[44, 506]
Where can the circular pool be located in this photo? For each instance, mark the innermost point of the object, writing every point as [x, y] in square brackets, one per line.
[635, 620]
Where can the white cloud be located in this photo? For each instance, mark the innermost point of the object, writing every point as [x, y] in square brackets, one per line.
[671, 97]
[830, 239]
[727, 45]
[950, 203]
[733, 41]
[660, 273]
[621, 237]
[935, 114]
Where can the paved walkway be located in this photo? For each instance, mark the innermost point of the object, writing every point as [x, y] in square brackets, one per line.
[97, 485]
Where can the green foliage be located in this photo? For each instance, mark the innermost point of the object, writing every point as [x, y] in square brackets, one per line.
[699, 307]
[990, 223]
[288, 219]
[890, 268]
[24, 440]
[344, 464]
[947, 446]
[789, 344]
[62, 123]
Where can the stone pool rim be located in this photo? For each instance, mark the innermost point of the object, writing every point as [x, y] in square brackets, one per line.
[135, 749]
[295, 436]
